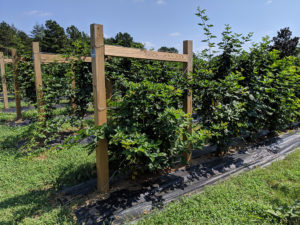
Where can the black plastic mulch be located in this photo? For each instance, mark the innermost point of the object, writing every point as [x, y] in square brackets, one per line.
[132, 202]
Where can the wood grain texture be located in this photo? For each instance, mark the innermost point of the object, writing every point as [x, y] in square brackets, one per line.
[99, 91]
[16, 84]
[38, 77]
[117, 51]
[3, 80]
[50, 58]
[7, 61]
[188, 100]
[111, 50]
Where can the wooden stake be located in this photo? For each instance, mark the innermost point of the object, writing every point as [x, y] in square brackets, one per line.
[38, 77]
[98, 68]
[73, 99]
[188, 101]
[4, 87]
[73, 87]
[16, 84]
[108, 86]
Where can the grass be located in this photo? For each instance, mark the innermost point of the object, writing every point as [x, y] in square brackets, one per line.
[245, 199]
[28, 185]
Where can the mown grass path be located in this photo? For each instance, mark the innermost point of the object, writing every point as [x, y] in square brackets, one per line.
[245, 199]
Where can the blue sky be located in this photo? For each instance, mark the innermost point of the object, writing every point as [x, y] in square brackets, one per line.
[157, 22]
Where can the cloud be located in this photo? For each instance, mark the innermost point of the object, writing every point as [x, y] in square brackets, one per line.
[149, 44]
[38, 13]
[160, 2]
[269, 1]
[175, 34]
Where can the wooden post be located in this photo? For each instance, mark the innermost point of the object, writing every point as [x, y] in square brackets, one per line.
[188, 102]
[73, 99]
[98, 68]
[38, 76]
[16, 84]
[109, 87]
[4, 87]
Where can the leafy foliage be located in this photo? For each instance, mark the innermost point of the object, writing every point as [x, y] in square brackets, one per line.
[284, 43]
[166, 49]
[146, 131]
[239, 93]
[54, 39]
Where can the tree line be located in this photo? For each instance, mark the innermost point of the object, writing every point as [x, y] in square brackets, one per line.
[55, 39]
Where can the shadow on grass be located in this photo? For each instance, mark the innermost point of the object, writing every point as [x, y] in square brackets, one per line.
[13, 143]
[74, 174]
[33, 204]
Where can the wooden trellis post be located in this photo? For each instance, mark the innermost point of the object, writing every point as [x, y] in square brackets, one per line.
[188, 101]
[98, 68]
[38, 76]
[16, 84]
[73, 98]
[4, 87]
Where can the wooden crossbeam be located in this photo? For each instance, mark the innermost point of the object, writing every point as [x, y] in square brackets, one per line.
[49, 58]
[111, 50]
[6, 61]
[117, 51]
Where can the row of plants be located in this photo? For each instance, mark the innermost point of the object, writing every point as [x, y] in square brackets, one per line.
[149, 137]
[236, 93]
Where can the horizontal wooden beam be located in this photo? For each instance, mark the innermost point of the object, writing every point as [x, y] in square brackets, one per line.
[49, 58]
[111, 50]
[7, 61]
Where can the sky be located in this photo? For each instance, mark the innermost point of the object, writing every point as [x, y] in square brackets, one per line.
[158, 23]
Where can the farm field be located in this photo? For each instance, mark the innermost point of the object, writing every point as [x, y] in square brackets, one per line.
[139, 122]
[28, 187]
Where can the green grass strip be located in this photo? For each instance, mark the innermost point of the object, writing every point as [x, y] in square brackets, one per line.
[261, 196]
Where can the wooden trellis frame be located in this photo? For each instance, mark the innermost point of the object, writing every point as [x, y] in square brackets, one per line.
[40, 58]
[98, 52]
